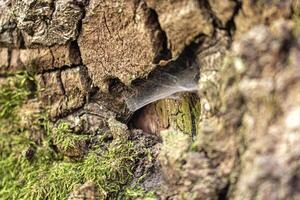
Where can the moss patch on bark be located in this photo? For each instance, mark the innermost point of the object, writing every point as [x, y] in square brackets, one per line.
[37, 157]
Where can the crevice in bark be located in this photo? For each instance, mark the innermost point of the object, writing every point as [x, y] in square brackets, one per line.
[67, 113]
[207, 7]
[85, 78]
[83, 6]
[9, 55]
[230, 25]
[165, 53]
[194, 117]
[53, 8]
[74, 53]
[21, 40]
[87, 87]
[223, 193]
[6, 75]
[60, 83]
[166, 76]
[62, 68]
[105, 24]
[52, 57]
[143, 88]
[135, 121]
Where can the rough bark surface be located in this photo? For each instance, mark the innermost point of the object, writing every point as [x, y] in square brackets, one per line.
[235, 137]
[125, 45]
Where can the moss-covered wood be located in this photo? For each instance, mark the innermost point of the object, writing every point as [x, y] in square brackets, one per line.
[180, 113]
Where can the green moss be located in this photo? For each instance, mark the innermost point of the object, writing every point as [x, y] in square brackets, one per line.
[38, 170]
[139, 193]
[49, 176]
[14, 92]
[110, 171]
[63, 136]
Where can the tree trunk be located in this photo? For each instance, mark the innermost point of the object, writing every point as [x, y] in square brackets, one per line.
[144, 99]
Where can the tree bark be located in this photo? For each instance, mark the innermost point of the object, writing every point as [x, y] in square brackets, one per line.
[235, 136]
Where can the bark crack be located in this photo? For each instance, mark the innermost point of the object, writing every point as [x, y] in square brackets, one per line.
[60, 83]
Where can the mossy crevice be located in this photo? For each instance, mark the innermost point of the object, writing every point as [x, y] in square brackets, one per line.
[37, 156]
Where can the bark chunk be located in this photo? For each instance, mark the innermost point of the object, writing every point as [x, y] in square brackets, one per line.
[75, 86]
[48, 22]
[120, 39]
[182, 20]
[63, 91]
[4, 58]
[50, 91]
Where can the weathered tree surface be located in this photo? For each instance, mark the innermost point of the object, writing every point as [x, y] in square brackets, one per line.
[150, 99]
